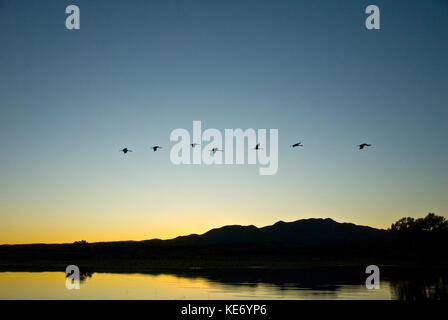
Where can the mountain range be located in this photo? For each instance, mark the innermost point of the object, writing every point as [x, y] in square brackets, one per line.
[304, 231]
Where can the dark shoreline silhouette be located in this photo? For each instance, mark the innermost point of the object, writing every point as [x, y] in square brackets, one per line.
[307, 242]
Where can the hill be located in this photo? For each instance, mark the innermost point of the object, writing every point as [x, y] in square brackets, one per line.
[305, 231]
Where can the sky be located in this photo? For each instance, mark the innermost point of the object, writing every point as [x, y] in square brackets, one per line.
[136, 70]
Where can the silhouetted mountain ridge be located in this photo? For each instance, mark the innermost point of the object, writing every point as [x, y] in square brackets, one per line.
[305, 231]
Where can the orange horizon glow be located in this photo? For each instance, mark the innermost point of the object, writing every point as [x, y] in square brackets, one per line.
[139, 235]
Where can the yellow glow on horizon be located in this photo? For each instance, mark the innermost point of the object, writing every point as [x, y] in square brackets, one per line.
[141, 220]
[136, 230]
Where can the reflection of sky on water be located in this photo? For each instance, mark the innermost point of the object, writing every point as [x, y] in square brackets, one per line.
[51, 285]
[230, 284]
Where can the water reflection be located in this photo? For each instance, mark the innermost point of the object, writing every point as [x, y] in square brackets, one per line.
[418, 289]
[255, 283]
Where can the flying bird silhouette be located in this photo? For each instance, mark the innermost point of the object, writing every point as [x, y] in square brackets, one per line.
[363, 145]
[156, 147]
[298, 144]
[125, 150]
[257, 147]
[214, 150]
[194, 145]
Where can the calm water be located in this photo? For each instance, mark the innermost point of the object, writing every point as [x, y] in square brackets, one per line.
[252, 283]
[51, 285]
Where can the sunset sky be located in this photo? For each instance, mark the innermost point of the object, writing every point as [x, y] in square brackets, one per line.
[136, 70]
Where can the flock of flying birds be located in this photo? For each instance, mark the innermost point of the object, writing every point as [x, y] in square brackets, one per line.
[257, 147]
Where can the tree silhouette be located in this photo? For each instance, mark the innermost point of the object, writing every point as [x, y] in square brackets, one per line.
[421, 239]
[431, 223]
[82, 249]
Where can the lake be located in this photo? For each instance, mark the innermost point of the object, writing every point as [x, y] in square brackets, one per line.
[221, 285]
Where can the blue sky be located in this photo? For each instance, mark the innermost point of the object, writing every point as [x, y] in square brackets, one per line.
[136, 70]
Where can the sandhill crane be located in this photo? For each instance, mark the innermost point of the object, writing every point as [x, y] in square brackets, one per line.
[194, 145]
[298, 144]
[214, 150]
[125, 150]
[156, 147]
[363, 145]
[257, 147]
